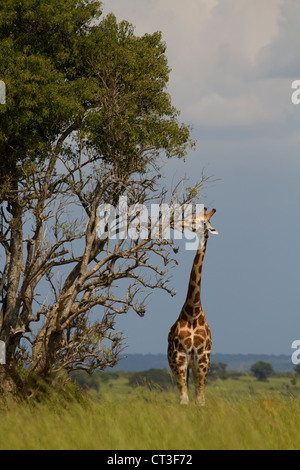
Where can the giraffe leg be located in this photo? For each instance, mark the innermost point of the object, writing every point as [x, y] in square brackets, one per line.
[184, 396]
[182, 384]
[200, 373]
[200, 397]
[179, 370]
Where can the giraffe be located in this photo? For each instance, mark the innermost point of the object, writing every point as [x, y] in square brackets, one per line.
[189, 340]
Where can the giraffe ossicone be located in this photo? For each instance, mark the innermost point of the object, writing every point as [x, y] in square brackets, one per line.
[189, 340]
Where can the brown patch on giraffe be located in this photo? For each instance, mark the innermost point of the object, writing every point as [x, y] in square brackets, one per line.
[189, 310]
[197, 311]
[201, 331]
[201, 320]
[188, 343]
[185, 334]
[197, 297]
[191, 290]
[205, 359]
[183, 316]
[193, 275]
[181, 360]
[200, 269]
[198, 332]
[172, 330]
[182, 326]
[204, 365]
[195, 324]
[197, 258]
[198, 340]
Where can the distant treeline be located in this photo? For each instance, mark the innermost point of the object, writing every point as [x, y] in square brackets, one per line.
[162, 378]
[238, 362]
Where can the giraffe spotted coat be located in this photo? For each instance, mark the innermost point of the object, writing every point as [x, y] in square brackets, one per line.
[189, 340]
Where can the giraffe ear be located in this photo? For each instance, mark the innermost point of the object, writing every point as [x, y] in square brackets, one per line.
[213, 230]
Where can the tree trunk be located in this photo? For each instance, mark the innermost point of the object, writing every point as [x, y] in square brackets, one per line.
[10, 381]
[9, 378]
[45, 348]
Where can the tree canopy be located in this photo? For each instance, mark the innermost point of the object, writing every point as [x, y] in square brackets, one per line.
[67, 70]
[262, 370]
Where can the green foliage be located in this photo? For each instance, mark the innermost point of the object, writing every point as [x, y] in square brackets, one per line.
[152, 378]
[136, 117]
[191, 189]
[85, 381]
[297, 369]
[218, 371]
[41, 65]
[262, 370]
[63, 65]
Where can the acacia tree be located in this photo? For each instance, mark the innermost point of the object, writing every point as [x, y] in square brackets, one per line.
[86, 118]
[262, 370]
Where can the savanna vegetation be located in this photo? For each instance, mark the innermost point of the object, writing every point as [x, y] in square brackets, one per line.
[140, 411]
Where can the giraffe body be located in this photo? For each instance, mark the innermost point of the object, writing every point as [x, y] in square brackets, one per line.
[189, 340]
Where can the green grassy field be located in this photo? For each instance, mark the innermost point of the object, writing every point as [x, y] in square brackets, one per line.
[239, 414]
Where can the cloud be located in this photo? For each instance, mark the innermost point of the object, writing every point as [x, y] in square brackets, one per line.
[281, 58]
[230, 60]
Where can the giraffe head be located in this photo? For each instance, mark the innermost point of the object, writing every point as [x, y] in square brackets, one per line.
[200, 223]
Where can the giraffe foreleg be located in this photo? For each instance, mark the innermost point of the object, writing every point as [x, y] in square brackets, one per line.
[200, 387]
[200, 371]
[182, 385]
[179, 371]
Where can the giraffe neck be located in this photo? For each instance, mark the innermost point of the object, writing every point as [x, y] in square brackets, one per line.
[192, 306]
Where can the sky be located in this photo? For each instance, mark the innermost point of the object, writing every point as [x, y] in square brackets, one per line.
[233, 64]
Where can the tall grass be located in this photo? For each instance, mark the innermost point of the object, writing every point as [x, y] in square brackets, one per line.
[153, 420]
